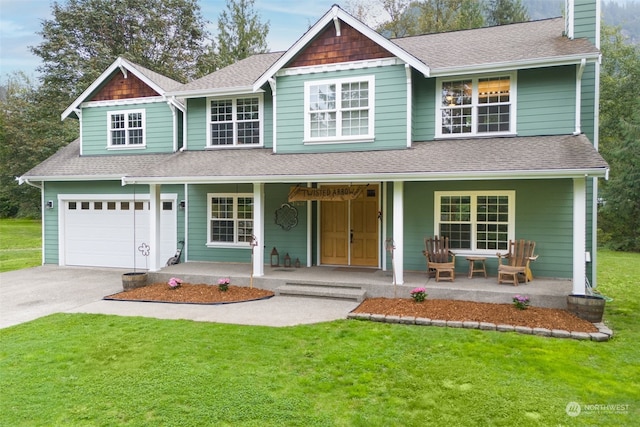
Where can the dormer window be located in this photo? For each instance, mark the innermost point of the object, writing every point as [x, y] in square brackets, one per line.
[478, 106]
[126, 129]
[234, 121]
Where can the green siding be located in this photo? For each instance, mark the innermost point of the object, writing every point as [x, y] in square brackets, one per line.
[159, 129]
[546, 101]
[294, 241]
[587, 115]
[424, 108]
[53, 189]
[196, 124]
[543, 214]
[585, 20]
[390, 111]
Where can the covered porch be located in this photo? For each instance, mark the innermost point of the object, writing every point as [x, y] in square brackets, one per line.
[543, 292]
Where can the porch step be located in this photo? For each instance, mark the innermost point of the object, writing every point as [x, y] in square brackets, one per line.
[332, 291]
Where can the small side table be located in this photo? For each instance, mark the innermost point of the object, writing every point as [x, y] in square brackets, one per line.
[472, 265]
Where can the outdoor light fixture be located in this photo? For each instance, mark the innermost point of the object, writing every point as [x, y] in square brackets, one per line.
[275, 258]
[49, 204]
[183, 204]
[287, 260]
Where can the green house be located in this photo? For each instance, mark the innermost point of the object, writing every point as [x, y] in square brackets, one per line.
[338, 147]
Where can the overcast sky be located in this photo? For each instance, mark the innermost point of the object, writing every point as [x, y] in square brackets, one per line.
[20, 20]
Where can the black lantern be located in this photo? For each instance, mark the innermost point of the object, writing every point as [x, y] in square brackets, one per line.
[287, 260]
[275, 258]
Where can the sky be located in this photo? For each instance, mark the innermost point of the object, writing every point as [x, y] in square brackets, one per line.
[20, 20]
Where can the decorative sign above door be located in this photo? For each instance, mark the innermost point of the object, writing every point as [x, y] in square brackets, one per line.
[326, 194]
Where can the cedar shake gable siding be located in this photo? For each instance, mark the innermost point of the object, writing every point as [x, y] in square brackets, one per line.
[328, 48]
[119, 87]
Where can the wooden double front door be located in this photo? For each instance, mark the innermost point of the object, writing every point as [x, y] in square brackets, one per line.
[349, 230]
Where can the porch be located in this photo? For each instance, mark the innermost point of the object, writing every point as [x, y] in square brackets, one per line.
[543, 292]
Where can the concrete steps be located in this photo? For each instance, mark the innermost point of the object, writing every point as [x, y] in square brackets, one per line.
[330, 291]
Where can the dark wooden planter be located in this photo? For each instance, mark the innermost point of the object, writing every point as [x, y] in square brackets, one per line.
[134, 280]
[587, 307]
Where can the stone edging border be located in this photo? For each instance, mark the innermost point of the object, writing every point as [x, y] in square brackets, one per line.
[603, 334]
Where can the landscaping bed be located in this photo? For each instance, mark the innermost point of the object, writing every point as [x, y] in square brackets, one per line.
[498, 314]
[192, 294]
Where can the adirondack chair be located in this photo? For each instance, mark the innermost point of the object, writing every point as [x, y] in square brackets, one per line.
[439, 258]
[517, 262]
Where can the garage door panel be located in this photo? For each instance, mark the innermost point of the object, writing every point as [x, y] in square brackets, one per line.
[100, 233]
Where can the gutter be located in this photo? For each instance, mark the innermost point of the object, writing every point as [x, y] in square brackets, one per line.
[198, 93]
[439, 176]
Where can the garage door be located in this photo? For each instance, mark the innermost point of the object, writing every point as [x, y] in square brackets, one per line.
[101, 232]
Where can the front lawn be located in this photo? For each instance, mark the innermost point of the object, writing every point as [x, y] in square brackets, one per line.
[75, 369]
[20, 244]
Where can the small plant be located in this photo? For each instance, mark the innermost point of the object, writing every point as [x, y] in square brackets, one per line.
[174, 283]
[521, 302]
[419, 294]
[223, 284]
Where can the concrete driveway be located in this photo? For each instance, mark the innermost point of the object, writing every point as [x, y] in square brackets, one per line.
[36, 292]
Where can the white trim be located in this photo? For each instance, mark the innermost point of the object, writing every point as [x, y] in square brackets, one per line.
[407, 70]
[79, 115]
[340, 138]
[124, 102]
[126, 145]
[511, 220]
[384, 196]
[155, 206]
[578, 119]
[579, 230]
[120, 63]
[501, 67]
[185, 238]
[474, 106]
[214, 92]
[337, 12]
[258, 229]
[569, 10]
[234, 121]
[398, 230]
[274, 117]
[235, 244]
[310, 230]
[340, 66]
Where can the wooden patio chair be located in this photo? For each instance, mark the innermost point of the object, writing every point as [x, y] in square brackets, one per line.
[517, 259]
[439, 258]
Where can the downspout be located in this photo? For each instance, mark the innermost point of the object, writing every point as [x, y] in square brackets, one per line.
[272, 84]
[79, 114]
[579, 72]
[407, 70]
[175, 125]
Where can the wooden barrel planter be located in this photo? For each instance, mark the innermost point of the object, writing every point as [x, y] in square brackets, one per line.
[134, 280]
[587, 307]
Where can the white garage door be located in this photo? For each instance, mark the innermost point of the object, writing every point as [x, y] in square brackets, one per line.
[101, 232]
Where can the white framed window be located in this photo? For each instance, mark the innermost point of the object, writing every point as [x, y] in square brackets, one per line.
[230, 219]
[339, 110]
[234, 122]
[477, 222]
[126, 128]
[476, 106]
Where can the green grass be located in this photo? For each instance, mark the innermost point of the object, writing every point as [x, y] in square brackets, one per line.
[20, 244]
[78, 369]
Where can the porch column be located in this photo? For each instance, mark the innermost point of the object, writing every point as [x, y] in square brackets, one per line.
[154, 227]
[579, 231]
[258, 228]
[398, 230]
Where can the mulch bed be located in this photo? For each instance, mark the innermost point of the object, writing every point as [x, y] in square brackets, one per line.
[498, 314]
[193, 294]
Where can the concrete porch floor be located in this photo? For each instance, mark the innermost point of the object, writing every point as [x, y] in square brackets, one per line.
[543, 292]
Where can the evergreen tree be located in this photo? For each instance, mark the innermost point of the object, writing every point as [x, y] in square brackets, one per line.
[501, 12]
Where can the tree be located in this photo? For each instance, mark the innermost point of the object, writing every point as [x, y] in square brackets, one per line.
[438, 16]
[502, 12]
[240, 33]
[26, 138]
[85, 36]
[619, 217]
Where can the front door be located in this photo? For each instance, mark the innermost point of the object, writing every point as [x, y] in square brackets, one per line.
[349, 230]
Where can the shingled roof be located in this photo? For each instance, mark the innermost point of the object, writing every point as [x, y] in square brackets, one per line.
[552, 156]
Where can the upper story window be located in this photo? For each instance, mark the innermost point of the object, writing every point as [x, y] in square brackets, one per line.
[481, 222]
[478, 106]
[339, 110]
[126, 128]
[234, 121]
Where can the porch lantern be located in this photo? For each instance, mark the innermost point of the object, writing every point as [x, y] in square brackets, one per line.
[287, 260]
[275, 258]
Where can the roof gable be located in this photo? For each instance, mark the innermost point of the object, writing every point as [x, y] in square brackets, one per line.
[122, 86]
[335, 17]
[330, 48]
[152, 80]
